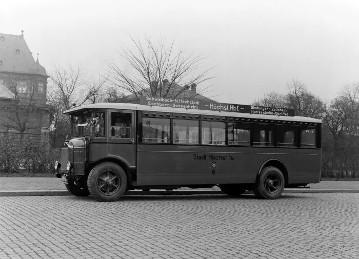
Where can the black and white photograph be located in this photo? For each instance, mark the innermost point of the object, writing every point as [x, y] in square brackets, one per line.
[153, 129]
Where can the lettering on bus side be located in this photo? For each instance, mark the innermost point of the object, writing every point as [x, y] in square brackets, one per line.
[212, 157]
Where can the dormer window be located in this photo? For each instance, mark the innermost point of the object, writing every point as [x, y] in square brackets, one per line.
[2, 38]
[0, 62]
[17, 51]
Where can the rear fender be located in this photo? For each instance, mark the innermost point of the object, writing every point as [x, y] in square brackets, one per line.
[278, 164]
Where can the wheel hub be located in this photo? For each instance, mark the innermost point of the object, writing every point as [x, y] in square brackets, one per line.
[107, 183]
[270, 183]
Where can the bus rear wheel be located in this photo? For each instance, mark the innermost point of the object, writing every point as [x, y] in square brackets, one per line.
[77, 188]
[107, 182]
[232, 189]
[270, 183]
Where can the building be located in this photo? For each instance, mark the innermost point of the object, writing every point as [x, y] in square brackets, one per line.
[23, 86]
[168, 90]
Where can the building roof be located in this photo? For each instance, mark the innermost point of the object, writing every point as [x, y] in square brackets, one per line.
[15, 56]
[174, 91]
[5, 93]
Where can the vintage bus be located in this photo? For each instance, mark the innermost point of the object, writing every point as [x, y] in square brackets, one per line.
[117, 147]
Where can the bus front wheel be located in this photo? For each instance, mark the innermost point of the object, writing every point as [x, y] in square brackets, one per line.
[269, 184]
[232, 189]
[107, 182]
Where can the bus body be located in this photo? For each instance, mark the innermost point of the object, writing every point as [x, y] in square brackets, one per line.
[121, 146]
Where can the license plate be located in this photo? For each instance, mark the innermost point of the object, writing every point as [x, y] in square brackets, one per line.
[64, 178]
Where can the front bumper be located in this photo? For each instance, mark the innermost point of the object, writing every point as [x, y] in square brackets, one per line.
[60, 172]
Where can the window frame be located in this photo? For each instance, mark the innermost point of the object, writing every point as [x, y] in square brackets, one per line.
[131, 127]
[40, 85]
[104, 112]
[21, 85]
[173, 131]
[293, 128]
[316, 143]
[154, 116]
[257, 126]
[213, 121]
[234, 124]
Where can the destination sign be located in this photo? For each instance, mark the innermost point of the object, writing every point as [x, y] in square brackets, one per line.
[225, 107]
[170, 102]
[213, 106]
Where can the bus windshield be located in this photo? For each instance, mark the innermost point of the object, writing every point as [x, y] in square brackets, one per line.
[88, 123]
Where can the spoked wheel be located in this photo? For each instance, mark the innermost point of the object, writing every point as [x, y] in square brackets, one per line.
[270, 183]
[232, 189]
[107, 182]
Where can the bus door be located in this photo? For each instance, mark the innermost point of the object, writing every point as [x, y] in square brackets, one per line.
[121, 132]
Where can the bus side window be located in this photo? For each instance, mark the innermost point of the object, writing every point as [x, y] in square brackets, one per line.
[239, 134]
[286, 136]
[213, 133]
[155, 130]
[121, 125]
[308, 138]
[185, 131]
[263, 135]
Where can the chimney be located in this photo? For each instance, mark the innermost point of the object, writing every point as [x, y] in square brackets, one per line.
[194, 87]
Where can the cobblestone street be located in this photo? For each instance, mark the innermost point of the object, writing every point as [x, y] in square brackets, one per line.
[199, 226]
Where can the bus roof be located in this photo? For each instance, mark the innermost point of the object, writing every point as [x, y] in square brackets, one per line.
[140, 107]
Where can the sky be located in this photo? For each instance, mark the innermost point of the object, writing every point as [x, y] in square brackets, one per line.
[254, 46]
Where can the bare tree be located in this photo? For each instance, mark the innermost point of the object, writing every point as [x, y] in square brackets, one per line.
[298, 98]
[157, 70]
[94, 92]
[66, 81]
[70, 87]
[342, 120]
[113, 95]
[303, 102]
[272, 99]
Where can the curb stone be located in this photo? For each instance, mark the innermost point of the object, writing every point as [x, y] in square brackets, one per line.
[162, 192]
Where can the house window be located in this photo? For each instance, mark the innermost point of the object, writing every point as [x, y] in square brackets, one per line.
[40, 88]
[0, 62]
[21, 87]
[17, 51]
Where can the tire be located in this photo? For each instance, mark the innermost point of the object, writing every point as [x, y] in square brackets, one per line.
[76, 188]
[107, 182]
[270, 183]
[234, 190]
[256, 193]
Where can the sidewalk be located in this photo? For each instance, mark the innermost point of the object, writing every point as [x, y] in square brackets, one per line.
[47, 186]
